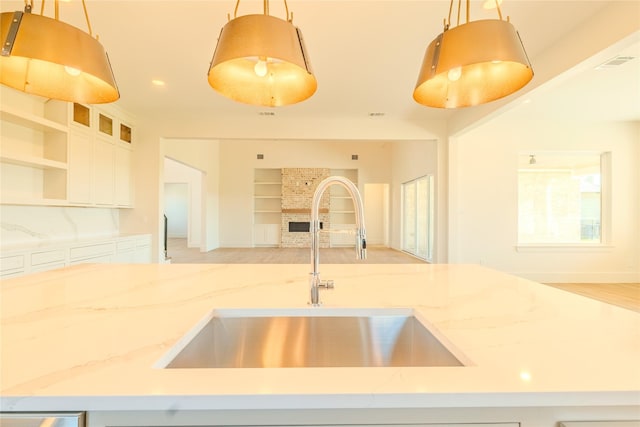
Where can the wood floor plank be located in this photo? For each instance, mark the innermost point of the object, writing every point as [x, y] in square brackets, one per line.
[626, 295]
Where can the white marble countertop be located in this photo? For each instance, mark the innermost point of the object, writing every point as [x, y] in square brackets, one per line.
[87, 338]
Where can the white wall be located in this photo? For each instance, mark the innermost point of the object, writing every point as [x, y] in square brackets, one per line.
[201, 154]
[376, 213]
[183, 191]
[409, 160]
[239, 161]
[176, 208]
[483, 209]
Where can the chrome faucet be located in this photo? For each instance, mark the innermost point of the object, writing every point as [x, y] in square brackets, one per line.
[361, 243]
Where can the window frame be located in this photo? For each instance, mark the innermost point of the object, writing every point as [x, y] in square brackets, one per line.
[605, 210]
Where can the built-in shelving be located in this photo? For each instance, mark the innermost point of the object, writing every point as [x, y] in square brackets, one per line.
[342, 211]
[33, 121]
[267, 207]
[33, 161]
[33, 149]
[49, 153]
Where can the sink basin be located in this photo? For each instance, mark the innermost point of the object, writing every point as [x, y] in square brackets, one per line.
[314, 337]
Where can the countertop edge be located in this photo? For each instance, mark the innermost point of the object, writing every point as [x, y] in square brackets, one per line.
[321, 401]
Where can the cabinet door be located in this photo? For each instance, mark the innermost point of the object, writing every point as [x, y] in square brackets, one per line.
[142, 255]
[273, 234]
[104, 172]
[259, 234]
[80, 167]
[123, 177]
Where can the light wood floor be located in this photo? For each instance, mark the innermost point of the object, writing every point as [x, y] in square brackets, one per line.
[180, 254]
[626, 295]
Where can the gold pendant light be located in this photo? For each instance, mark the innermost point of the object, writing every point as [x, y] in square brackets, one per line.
[261, 60]
[47, 57]
[473, 63]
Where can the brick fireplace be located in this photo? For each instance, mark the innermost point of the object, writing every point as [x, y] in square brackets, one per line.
[298, 186]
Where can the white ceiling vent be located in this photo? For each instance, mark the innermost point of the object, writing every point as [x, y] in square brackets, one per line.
[615, 62]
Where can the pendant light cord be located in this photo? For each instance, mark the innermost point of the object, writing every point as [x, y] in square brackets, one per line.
[86, 15]
[265, 5]
[447, 21]
[28, 5]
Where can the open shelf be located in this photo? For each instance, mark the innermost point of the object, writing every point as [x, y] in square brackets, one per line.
[30, 120]
[34, 162]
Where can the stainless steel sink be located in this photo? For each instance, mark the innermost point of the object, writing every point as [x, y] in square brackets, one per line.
[308, 338]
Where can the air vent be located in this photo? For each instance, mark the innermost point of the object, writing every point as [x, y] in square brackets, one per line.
[267, 113]
[615, 62]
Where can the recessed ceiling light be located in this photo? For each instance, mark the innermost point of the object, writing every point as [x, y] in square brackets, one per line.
[157, 82]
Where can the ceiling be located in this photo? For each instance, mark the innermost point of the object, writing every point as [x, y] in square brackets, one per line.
[366, 55]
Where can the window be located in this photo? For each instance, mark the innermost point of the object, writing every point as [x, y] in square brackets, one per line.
[560, 198]
[417, 217]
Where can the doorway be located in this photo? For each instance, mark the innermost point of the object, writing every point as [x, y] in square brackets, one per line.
[183, 186]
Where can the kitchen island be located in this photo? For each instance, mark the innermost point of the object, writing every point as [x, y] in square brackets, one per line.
[90, 337]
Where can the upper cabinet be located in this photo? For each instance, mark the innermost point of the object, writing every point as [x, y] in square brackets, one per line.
[65, 154]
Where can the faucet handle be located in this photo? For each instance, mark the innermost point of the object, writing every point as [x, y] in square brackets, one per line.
[327, 284]
[361, 244]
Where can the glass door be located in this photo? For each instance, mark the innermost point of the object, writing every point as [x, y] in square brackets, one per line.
[417, 217]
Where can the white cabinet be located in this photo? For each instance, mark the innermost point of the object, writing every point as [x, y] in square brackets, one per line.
[142, 253]
[134, 249]
[81, 170]
[123, 177]
[104, 172]
[64, 154]
[282, 418]
[100, 146]
[266, 234]
[12, 265]
[45, 260]
[600, 424]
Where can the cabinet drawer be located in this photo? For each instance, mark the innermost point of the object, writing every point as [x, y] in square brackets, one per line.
[143, 241]
[11, 262]
[100, 259]
[91, 251]
[125, 245]
[600, 423]
[47, 267]
[10, 274]
[45, 257]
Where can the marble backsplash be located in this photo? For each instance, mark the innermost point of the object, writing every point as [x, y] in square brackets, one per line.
[34, 226]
